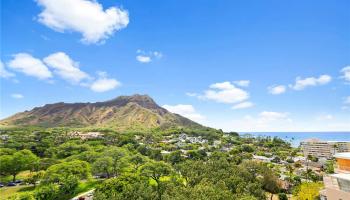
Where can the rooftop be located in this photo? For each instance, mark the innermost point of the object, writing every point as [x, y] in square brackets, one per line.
[341, 176]
[311, 140]
[345, 155]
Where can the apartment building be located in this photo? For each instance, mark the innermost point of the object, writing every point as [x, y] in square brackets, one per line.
[337, 186]
[324, 149]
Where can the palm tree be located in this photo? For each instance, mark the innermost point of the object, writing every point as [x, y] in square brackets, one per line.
[309, 157]
[335, 146]
[290, 169]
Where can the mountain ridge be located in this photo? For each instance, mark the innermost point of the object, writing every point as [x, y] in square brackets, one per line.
[135, 112]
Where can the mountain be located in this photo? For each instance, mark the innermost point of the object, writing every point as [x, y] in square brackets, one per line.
[136, 112]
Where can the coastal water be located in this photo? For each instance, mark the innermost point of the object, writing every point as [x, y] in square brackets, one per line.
[296, 137]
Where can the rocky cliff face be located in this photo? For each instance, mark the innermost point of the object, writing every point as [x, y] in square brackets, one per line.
[136, 112]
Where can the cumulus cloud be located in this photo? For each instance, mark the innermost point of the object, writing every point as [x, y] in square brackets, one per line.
[324, 117]
[301, 84]
[191, 94]
[264, 121]
[346, 73]
[143, 59]
[4, 73]
[104, 84]
[146, 57]
[17, 96]
[272, 116]
[65, 67]
[27, 64]
[84, 16]
[243, 105]
[186, 111]
[278, 89]
[225, 92]
[242, 83]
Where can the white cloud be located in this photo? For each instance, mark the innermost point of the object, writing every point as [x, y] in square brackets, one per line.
[278, 89]
[324, 117]
[267, 116]
[83, 16]
[65, 67]
[143, 59]
[30, 66]
[103, 84]
[225, 92]
[347, 100]
[157, 54]
[146, 57]
[191, 94]
[264, 121]
[17, 96]
[346, 73]
[4, 73]
[301, 84]
[243, 105]
[242, 83]
[186, 111]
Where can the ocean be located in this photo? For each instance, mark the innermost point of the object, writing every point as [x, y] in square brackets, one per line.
[296, 137]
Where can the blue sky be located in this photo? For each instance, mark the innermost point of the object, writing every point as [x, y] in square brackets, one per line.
[235, 65]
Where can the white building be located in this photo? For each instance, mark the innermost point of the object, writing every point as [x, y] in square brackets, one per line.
[324, 149]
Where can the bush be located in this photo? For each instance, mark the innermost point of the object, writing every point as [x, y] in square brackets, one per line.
[282, 196]
[47, 192]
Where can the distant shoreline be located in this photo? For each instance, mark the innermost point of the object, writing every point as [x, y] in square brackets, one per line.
[296, 137]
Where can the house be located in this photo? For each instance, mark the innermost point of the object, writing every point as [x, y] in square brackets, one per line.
[337, 186]
[4, 137]
[262, 158]
[87, 135]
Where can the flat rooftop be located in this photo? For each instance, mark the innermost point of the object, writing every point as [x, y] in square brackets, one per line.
[316, 140]
[345, 155]
[342, 176]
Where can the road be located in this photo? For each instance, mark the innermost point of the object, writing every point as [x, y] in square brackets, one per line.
[86, 195]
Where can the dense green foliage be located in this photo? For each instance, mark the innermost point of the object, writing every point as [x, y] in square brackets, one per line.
[158, 164]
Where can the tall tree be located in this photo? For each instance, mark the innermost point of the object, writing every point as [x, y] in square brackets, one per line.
[156, 170]
[19, 161]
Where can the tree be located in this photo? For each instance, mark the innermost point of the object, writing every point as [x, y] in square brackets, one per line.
[191, 171]
[175, 157]
[117, 155]
[290, 169]
[156, 170]
[329, 167]
[270, 183]
[124, 187]
[59, 172]
[34, 177]
[103, 165]
[19, 161]
[137, 160]
[47, 192]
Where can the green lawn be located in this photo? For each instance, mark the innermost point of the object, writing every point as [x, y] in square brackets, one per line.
[21, 176]
[86, 186]
[7, 192]
[83, 186]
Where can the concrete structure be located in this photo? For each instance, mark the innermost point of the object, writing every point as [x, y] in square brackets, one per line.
[324, 149]
[87, 135]
[337, 186]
